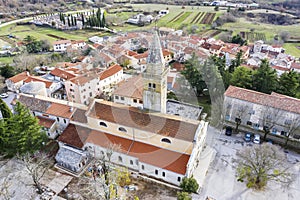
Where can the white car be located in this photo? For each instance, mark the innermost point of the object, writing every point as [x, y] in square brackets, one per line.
[3, 95]
[256, 139]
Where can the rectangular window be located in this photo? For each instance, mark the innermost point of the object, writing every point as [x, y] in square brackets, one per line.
[156, 172]
[91, 94]
[122, 98]
[143, 167]
[179, 179]
[135, 100]
[116, 97]
[141, 101]
[249, 123]
[163, 174]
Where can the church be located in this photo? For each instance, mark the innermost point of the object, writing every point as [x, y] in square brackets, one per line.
[149, 141]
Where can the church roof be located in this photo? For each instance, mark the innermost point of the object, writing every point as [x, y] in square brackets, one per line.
[155, 55]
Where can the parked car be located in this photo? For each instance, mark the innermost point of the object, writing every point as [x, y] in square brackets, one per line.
[256, 139]
[3, 95]
[247, 137]
[228, 130]
[131, 187]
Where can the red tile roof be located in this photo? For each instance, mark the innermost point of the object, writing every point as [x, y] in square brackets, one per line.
[62, 42]
[45, 122]
[132, 87]
[20, 77]
[112, 70]
[62, 74]
[38, 79]
[74, 135]
[274, 100]
[140, 56]
[135, 118]
[60, 110]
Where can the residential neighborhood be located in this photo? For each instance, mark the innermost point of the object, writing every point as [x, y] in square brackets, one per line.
[178, 101]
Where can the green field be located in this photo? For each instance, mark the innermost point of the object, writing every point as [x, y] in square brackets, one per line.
[6, 60]
[291, 48]
[268, 29]
[40, 33]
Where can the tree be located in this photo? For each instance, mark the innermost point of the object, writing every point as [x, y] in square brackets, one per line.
[183, 196]
[292, 125]
[242, 77]
[7, 71]
[5, 111]
[265, 78]
[21, 133]
[240, 112]
[288, 83]
[269, 118]
[189, 185]
[237, 39]
[216, 8]
[257, 165]
[36, 165]
[193, 75]
[236, 62]
[45, 45]
[82, 19]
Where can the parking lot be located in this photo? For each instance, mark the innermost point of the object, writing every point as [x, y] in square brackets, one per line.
[221, 183]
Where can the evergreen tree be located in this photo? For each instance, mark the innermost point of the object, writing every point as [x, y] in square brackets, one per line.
[5, 111]
[82, 19]
[103, 20]
[265, 78]
[21, 133]
[75, 21]
[69, 23]
[242, 77]
[289, 83]
[193, 75]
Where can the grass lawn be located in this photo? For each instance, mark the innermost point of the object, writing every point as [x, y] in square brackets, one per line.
[6, 60]
[291, 48]
[268, 29]
[41, 33]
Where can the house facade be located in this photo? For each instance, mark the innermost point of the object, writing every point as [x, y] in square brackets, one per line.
[278, 113]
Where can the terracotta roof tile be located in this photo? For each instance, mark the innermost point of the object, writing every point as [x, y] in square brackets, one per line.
[110, 71]
[62, 42]
[62, 74]
[276, 101]
[19, 77]
[132, 87]
[74, 135]
[79, 116]
[38, 79]
[45, 122]
[59, 110]
[133, 117]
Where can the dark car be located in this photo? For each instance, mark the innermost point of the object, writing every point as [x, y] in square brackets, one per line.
[228, 130]
[247, 137]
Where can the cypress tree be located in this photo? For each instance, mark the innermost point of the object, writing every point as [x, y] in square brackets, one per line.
[69, 24]
[5, 111]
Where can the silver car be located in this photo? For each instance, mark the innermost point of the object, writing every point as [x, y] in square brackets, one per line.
[256, 139]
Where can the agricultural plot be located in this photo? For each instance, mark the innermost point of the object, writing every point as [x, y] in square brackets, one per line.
[176, 17]
[253, 36]
[197, 18]
[183, 17]
[210, 33]
[208, 18]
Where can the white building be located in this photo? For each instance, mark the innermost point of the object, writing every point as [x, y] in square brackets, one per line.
[258, 110]
[61, 45]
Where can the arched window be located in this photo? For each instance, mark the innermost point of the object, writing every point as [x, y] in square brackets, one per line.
[163, 174]
[131, 162]
[103, 124]
[122, 129]
[166, 140]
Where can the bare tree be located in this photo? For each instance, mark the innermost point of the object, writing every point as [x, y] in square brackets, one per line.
[257, 165]
[269, 118]
[292, 126]
[37, 165]
[241, 112]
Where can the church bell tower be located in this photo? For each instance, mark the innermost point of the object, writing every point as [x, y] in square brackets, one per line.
[155, 78]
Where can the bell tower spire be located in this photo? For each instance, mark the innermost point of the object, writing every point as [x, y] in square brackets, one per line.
[155, 78]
